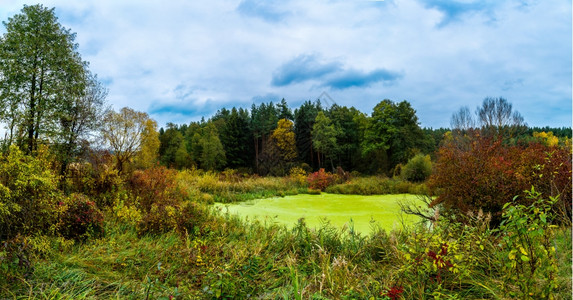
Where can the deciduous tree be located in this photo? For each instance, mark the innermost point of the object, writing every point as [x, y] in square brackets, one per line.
[394, 130]
[41, 74]
[213, 153]
[497, 117]
[123, 132]
[148, 154]
[324, 136]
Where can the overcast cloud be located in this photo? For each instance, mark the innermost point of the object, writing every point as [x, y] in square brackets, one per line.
[180, 60]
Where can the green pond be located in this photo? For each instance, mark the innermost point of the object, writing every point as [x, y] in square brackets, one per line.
[363, 213]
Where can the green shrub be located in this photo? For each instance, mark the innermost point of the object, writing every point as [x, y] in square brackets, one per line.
[418, 169]
[376, 185]
[97, 179]
[528, 259]
[28, 194]
[15, 260]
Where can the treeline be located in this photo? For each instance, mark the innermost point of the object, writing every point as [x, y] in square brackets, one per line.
[48, 96]
[269, 139]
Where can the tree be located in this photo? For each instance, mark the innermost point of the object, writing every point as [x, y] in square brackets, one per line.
[124, 132]
[324, 137]
[284, 139]
[41, 72]
[192, 140]
[263, 121]
[280, 150]
[496, 117]
[236, 137]
[392, 133]
[304, 118]
[78, 120]
[213, 153]
[350, 124]
[462, 120]
[284, 111]
[148, 154]
[173, 150]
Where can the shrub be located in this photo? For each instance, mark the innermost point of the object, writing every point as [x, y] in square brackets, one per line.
[298, 175]
[320, 180]
[376, 185]
[155, 186]
[160, 200]
[15, 260]
[482, 173]
[28, 194]
[418, 169]
[81, 218]
[127, 213]
[97, 179]
[529, 254]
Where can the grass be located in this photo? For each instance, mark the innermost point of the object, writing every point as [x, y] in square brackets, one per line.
[377, 185]
[238, 260]
[224, 257]
[363, 213]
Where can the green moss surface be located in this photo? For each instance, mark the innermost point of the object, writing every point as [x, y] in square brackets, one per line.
[363, 213]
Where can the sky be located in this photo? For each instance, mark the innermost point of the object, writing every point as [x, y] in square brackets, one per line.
[180, 60]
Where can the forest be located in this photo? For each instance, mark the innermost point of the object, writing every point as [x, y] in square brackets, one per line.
[99, 203]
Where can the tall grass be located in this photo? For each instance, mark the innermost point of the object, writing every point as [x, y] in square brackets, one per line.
[232, 259]
[224, 257]
[377, 185]
[234, 188]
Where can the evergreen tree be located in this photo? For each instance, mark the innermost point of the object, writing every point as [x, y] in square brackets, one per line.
[304, 118]
[236, 137]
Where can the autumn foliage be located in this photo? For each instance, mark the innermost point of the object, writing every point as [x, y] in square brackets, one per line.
[163, 205]
[482, 173]
[320, 180]
[81, 218]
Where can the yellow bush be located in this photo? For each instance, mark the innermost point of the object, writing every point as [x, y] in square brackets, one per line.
[127, 214]
[298, 175]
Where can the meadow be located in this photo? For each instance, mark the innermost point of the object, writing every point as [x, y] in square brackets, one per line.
[185, 248]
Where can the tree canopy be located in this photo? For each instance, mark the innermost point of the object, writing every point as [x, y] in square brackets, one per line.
[46, 89]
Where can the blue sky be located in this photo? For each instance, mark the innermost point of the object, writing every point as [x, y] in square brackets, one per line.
[179, 60]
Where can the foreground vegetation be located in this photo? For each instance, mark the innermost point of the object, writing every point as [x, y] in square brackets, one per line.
[231, 259]
[158, 238]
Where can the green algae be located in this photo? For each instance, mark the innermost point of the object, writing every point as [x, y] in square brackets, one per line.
[362, 213]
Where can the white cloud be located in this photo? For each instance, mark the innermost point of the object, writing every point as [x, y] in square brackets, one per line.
[198, 56]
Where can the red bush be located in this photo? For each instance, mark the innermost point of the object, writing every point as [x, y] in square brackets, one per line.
[482, 173]
[320, 180]
[394, 293]
[80, 218]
